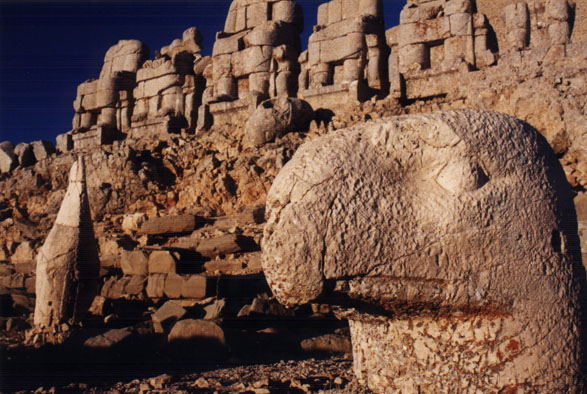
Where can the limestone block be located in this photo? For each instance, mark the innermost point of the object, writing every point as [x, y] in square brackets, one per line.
[416, 248]
[272, 118]
[228, 45]
[64, 143]
[557, 10]
[240, 22]
[42, 149]
[428, 31]
[259, 83]
[518, 39]
[303, 79]
[392, 36]
[374, 72]
[322, 75]
[221, 67]
[458, 7]
[194, 287]
[289, 12]
[127, 55]
[161, 262]
[87, 120]
[250, 60]
[285, 84]
[201, 65]
[350, 46]
[192, 40]
[257, 14]
[271, 34]
[483, 56]
[104, 98]
[559, 33]
[421, 13]
[88, 87]
[135, 285]
[334, 11]
[173, 283]
[156, 69]
[516, 16]
[8, 160]
[459, 47]
[323, 14]
[68, 263]
[108, 117]
[24, 252]
[337, 30]
[155, 286]
[166, 316]
[373, 8]
[226, 89]
[154, 87]
[204, 118]
[461, 24]
[313, 53]
[353, 69]
[169, 225]
[134, 262]
[172, 101]
[26, 154]
[199, 330]
[416, 54]
[230, 24]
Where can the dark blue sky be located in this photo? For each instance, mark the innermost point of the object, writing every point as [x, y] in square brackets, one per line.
[47, 48]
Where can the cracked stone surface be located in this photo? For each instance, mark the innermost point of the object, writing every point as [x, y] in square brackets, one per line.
[68, 263]
[448, 239]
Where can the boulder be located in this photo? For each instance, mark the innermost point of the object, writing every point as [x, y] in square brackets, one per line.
[189, 330]
[454, 236]
[166, 316]
[329, 343]
[42, 149]
[161, 262]
[134, 263]
[8, 160]
[275, 117]
[25, 154]
[109, 339]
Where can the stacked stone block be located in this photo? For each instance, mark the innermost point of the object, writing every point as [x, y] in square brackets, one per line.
[347, 50]
[255, 57]
[169, 89]
[534, 24]
[437, 36]
[103, 107]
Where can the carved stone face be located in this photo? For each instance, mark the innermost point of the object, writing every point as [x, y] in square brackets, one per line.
[430, 217]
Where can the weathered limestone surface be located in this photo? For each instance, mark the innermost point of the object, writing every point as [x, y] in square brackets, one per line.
[347, 51]
[68, 263]
[455, 233]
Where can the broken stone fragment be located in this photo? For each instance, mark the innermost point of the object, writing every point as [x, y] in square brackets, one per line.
[43, 149]
[166, 316]
[68, 263]
[275, 117]
[134, 262]
[453, 234]
[203, 330]
[25, 154]
[8, 160]
[169, 225]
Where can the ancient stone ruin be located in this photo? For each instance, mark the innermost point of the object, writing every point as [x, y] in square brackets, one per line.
[346, 53]
[340, 175]
[401, 216]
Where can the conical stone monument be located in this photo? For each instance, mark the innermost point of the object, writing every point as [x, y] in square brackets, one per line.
[68, 263]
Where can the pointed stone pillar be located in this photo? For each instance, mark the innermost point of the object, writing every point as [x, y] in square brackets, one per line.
[68, 263]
